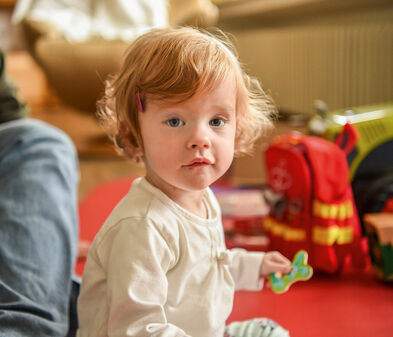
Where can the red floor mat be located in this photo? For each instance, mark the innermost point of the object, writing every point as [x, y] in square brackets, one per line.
[350, 304]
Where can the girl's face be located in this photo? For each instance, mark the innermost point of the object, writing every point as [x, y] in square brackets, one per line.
[189, 145]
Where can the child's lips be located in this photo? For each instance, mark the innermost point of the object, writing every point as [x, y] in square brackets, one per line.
[198, 162]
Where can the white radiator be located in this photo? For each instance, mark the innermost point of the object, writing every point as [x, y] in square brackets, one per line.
[343, 59]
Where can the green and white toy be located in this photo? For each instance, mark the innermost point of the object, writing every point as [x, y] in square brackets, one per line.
[300, 271]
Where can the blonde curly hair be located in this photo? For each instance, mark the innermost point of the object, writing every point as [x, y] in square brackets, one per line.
[173, 64]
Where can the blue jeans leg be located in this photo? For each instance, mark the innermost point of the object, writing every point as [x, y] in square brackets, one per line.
[38, 228]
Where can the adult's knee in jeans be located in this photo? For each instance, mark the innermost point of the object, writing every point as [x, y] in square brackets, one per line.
[50, 144]
[52, 133]
[55, 140]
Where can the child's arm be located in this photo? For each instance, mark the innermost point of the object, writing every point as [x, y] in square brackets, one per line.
[249, 268]
[137, 283]
[132, 259]
[245, 269]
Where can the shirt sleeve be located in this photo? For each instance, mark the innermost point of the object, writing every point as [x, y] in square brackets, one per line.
[137, 257]
[245, 267]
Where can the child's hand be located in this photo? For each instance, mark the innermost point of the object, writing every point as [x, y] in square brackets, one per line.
[274, 262]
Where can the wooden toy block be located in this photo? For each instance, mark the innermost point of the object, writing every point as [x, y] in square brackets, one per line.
[379, 231]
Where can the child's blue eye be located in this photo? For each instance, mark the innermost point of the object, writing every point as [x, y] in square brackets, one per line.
[216, 122]
[175, 122]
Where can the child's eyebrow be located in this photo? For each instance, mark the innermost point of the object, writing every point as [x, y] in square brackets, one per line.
[224, 108]
[172, 110]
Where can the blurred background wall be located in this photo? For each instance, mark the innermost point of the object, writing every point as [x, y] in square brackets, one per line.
[337, 51]
[340, 52]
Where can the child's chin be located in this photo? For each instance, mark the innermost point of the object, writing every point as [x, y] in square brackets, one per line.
[198, 184]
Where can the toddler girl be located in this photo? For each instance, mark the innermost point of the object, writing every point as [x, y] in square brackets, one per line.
[182, 105]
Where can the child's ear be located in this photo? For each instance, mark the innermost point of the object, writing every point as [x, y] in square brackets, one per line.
[139, 151]
[138, 156]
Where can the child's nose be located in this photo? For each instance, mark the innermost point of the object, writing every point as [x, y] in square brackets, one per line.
[199, 138]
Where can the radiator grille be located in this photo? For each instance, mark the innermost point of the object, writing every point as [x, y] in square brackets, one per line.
[344, 61]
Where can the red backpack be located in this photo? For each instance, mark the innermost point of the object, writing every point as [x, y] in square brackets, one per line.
[313, 206]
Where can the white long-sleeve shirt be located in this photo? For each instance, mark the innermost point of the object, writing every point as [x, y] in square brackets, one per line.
[155, 269]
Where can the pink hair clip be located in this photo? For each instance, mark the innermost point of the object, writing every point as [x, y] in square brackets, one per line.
[138, 96]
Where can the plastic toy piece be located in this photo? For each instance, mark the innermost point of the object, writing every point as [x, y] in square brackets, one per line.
[300, 271]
